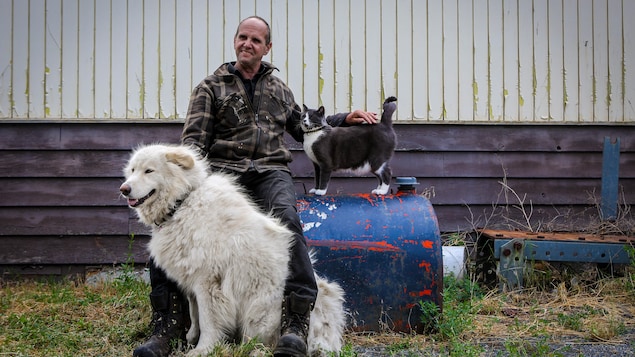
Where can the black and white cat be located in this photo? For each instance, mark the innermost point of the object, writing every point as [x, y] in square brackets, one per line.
[359, 149]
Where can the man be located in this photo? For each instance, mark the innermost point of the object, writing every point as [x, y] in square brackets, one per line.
[237, 118]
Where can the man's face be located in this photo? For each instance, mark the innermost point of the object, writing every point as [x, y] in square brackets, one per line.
[250, 43]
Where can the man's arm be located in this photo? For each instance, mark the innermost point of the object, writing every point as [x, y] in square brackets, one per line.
[197, 128]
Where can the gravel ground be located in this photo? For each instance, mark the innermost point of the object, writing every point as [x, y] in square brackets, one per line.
[496, 348]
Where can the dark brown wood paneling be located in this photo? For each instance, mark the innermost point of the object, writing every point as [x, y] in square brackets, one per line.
[88, 250]
[60, 191]
[62, 220]
[119, 136]
[16, 136]
[453, 218]
[63, 163]
[500, 164]
[60, 205]
[497, 138]
[85, 136]
[485, 191]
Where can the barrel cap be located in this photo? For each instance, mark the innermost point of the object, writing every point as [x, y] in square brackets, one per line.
[406, 183]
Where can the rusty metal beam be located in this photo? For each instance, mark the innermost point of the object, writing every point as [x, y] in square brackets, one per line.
[557, 236]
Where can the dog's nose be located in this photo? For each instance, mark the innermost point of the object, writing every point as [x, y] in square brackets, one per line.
[125, 189]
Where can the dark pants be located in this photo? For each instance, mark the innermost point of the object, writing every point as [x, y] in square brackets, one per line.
[274, 192]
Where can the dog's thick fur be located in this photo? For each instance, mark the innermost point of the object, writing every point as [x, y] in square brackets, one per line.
[228, 257]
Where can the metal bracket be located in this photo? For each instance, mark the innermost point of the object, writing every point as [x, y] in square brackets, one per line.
[610, 179]
[587, 252]
[512, 264]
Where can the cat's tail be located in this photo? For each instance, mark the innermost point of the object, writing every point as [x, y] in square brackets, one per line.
[390, 105]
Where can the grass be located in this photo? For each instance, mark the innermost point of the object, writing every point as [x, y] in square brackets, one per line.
[65, 318]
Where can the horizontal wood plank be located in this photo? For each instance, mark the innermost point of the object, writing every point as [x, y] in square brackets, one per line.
[60, 191]
[411, 137]
[85, 136]
[89, 250]
[104, 192]
[491, 165]
[484, 191]
[63, 163]
[109, 164]
[500, 138]
[64, 220]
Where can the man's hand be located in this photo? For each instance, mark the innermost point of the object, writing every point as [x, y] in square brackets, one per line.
[361, 117]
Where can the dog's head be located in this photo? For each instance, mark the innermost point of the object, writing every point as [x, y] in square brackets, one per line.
[157, 176]
[312, 119]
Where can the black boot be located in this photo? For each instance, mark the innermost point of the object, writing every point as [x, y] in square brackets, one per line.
[296, 312]
[169, 317]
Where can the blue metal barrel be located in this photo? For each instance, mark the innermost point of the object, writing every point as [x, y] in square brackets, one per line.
[385, 251]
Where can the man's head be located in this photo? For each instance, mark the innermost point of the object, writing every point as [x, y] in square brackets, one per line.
[251, 42]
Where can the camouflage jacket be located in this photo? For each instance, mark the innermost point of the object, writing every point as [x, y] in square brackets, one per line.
[238, 134]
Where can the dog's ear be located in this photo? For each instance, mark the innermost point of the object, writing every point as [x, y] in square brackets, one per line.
[181, 158]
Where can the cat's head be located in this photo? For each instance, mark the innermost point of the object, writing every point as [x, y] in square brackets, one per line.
[312, 119]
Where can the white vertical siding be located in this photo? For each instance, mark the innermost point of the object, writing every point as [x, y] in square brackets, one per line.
[5, 60]
[419, 70]
[326, 55]
[342, 39]
[627, 94]
[133, 95]
[510, 61]
[53, 60]
[571, 94]
[36, 71]
[150, 76]
[555, 60]
[86, 76]
[513, 61]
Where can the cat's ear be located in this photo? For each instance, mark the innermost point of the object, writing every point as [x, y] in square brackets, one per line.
[305, 107]
[321, 110]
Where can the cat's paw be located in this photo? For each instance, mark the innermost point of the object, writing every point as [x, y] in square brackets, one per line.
[317, 192]
[381, 190]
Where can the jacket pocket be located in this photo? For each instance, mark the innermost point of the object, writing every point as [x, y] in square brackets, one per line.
[233, 110]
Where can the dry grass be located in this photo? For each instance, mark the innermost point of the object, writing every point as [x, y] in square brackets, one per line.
[593, 313]
[66, 318]
[600, 312]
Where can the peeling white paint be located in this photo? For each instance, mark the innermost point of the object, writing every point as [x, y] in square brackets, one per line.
[538, 61]
[307, 226]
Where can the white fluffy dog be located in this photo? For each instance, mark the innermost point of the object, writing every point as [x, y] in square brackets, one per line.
[228, 257]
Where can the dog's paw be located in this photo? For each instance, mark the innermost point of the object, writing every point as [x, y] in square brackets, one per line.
[192, 336]
[199, 351]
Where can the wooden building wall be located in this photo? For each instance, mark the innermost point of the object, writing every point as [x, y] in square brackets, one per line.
[521, 92]
[60, 206]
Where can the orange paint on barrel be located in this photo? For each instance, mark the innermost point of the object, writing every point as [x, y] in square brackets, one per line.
[426, 292]
[381, 246]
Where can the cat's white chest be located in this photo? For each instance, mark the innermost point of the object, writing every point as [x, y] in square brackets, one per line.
[309, 140]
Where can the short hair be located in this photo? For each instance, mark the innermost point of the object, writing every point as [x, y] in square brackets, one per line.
[267, 36]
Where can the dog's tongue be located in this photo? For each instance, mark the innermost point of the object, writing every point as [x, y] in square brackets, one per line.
[132, 202]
